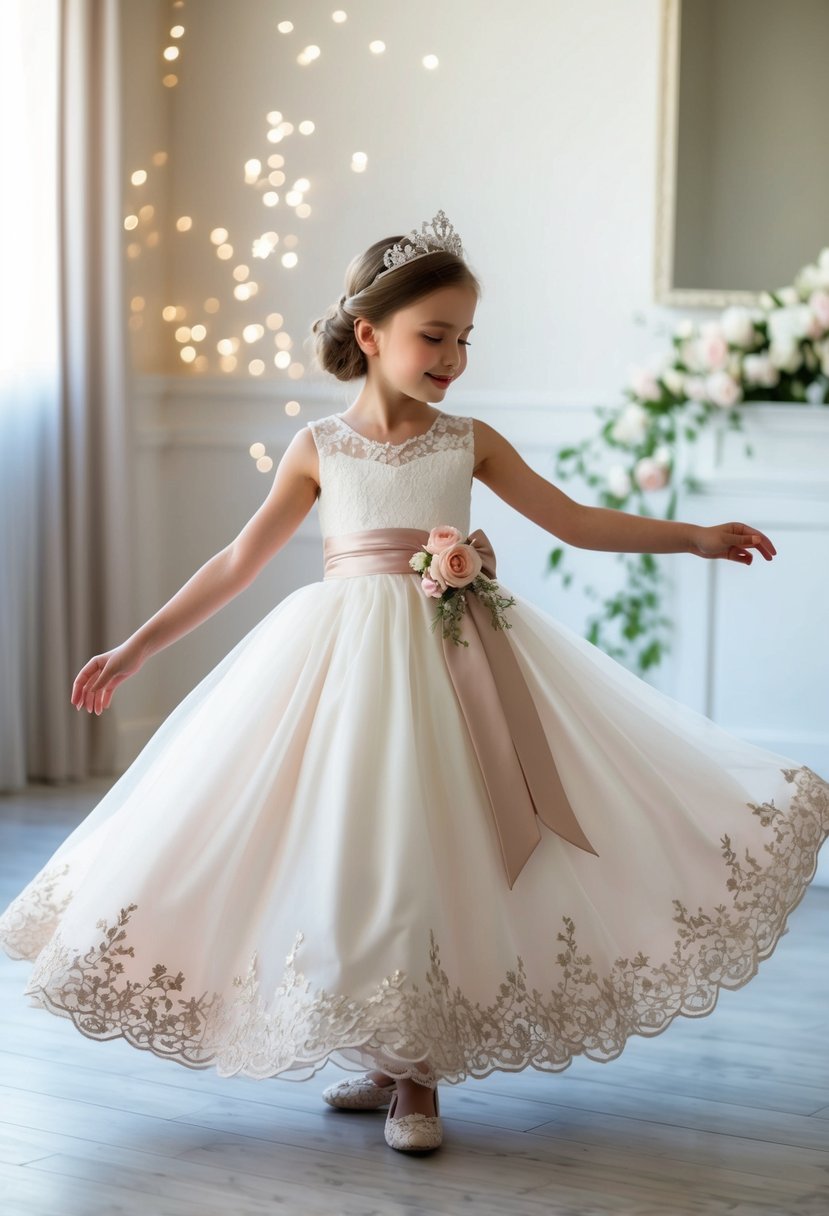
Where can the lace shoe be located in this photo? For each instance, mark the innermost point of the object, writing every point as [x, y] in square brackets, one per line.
[414, 1133]
[358, 1093]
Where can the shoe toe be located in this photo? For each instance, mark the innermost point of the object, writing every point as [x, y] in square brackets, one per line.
[414, 1133]
[358, 1093]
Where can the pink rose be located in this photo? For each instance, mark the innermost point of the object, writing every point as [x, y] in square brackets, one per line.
[441, 538]
[429, 587]
[650, 475]
[435, 574]
[457, 565]
[723, 390]
[712, 346]
[819, 304]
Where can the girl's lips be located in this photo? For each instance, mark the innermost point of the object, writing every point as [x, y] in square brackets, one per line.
[440, 379]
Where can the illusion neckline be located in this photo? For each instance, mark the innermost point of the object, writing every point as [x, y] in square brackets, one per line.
[386, 443]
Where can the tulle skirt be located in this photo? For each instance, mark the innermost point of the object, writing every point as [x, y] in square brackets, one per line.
[302, 864]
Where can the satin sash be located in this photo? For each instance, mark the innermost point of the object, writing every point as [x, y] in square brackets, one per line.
[518, 768]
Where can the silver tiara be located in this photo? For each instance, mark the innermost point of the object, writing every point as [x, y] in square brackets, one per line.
[442, 238]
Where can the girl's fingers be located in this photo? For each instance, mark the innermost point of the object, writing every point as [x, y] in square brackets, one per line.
[737, 554]
[766, 547]
[761, 542]
[89, 699]
[756, 539]
[91, 691]
[79, 687]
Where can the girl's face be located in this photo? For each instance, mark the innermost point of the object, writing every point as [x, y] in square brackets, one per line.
[421, 343]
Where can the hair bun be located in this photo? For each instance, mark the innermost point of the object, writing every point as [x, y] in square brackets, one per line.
[336, 349]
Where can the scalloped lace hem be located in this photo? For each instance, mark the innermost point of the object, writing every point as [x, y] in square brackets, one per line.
[400, 1025]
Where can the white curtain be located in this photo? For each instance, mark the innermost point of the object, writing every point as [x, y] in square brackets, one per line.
[65, 458]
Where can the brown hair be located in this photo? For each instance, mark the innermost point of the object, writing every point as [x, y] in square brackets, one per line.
[336, 349]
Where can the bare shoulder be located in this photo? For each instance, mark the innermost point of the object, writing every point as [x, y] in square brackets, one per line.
[300, 460]
[503, 469]
[491, 450]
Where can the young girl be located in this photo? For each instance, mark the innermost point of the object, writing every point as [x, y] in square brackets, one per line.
[411, 823]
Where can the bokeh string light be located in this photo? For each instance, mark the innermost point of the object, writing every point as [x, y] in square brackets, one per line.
[237, 344]
[172, 51]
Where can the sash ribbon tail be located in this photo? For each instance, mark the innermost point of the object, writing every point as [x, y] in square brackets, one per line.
[518, 768]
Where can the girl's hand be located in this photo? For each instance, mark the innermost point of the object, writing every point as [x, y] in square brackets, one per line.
[97, 680]
[731, 541]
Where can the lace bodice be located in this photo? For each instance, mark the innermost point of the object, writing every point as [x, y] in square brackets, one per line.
[424, 481]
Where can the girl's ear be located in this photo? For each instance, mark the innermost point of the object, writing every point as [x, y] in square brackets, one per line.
[366, 336]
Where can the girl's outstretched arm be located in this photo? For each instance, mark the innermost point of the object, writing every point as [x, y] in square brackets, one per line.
[499, 466]
[214, 584]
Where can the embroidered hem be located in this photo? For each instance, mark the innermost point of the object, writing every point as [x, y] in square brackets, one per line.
[399, 1024]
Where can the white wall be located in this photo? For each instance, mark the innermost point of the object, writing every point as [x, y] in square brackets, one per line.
[537, 135]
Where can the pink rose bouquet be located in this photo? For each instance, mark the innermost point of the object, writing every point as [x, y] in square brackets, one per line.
[449, 567]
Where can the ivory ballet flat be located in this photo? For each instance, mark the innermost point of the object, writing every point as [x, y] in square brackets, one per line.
[358, 1093]
[414, 1133]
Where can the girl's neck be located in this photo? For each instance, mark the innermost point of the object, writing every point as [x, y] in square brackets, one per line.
[386, 420]
[385, 427]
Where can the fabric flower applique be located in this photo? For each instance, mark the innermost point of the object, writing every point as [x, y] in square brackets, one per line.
[449, 567]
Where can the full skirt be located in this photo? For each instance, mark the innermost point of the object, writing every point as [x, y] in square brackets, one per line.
[302, 864]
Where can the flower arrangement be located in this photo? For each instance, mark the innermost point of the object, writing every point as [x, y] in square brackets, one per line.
[449, 567]
[778, 351]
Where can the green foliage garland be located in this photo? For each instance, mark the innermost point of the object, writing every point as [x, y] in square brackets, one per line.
[778, 351]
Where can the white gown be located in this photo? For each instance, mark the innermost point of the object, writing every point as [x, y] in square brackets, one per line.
[302, 864]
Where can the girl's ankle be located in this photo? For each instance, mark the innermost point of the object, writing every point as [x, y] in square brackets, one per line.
[381, 1078]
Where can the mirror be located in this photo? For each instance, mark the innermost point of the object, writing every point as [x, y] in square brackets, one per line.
[742, 174]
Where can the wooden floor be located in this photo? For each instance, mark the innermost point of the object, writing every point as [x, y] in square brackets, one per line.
[723, 1114]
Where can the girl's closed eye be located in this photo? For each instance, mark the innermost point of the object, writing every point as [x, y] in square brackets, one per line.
[429, 339]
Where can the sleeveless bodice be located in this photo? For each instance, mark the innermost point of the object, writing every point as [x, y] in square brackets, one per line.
[420, 483]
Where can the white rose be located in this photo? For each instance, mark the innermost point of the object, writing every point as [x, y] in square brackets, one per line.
[663, 455]
[723, 390]
[696, 389]
[819, 305]
[810, 278]
[632, 424]
[823, 258]
[674, 381]
[644, 384]
[766, 301]
[759, 369]
[738, 327]
[650, 475]
[689, 354]
[790, 324]
[618, 481]
[788, 295]
[684, 328]
[785, 355]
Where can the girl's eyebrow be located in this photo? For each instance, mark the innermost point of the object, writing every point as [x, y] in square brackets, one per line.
[444, 324]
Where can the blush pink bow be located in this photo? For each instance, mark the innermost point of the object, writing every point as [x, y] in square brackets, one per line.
[517, 765]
